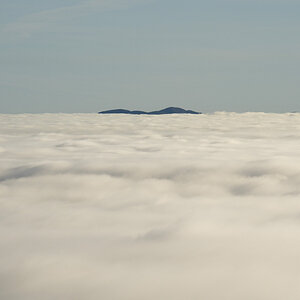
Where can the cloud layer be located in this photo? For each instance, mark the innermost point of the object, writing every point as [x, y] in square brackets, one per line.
[150, 207]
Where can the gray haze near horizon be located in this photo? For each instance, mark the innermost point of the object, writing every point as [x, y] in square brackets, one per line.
[150, 207]
[91, 55]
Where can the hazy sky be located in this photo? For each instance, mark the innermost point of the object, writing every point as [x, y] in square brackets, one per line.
[90, 55]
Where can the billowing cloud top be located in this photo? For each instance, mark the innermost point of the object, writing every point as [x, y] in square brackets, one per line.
[149, 207]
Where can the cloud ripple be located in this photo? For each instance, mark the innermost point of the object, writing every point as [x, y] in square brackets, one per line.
[149, 207]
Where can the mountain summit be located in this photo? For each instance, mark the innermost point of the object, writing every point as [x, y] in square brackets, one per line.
[165, 111]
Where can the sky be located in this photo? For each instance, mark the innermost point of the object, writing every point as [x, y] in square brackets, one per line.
[92, 55]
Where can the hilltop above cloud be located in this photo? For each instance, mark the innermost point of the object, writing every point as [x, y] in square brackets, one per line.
[165, 111]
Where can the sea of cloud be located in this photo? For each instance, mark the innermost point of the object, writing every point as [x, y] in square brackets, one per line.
[150, 207]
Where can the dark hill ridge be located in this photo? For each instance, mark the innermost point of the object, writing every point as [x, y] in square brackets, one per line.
[165, 111]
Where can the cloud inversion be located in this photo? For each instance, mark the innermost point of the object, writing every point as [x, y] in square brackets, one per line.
[150, 207]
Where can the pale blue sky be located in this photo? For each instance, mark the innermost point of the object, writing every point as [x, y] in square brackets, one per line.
[86, 56]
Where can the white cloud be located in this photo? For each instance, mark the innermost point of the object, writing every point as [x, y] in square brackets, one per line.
[149, 207]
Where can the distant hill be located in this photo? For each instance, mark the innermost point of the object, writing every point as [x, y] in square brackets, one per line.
[165, 111]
